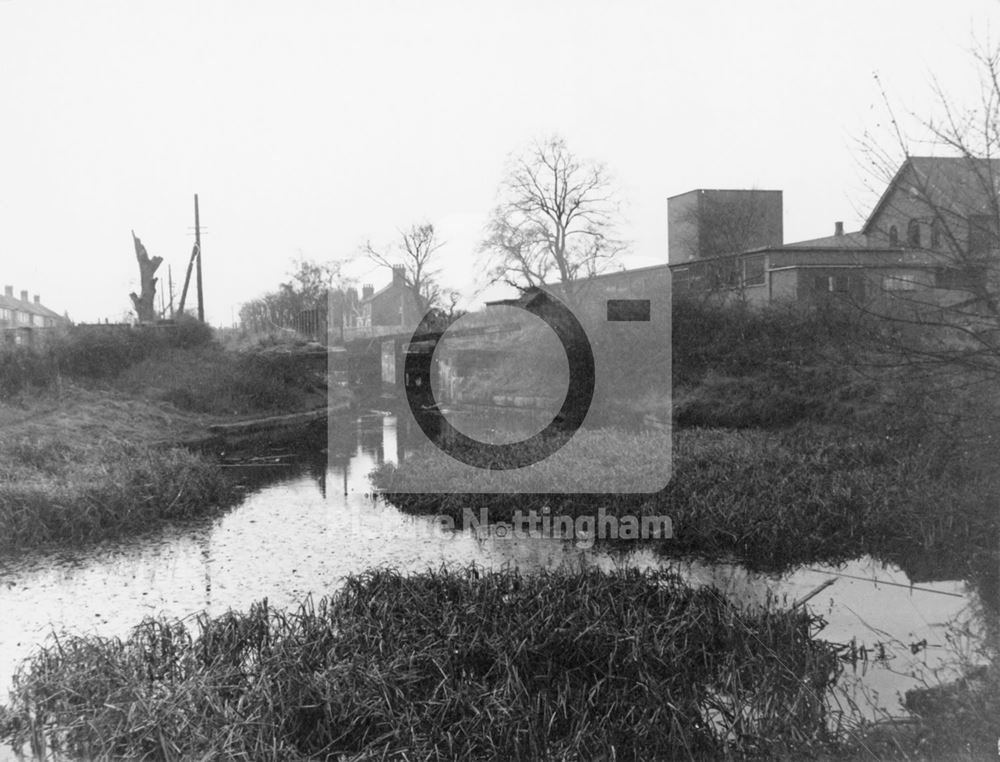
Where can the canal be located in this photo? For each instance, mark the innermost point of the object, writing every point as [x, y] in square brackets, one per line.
[309, 518]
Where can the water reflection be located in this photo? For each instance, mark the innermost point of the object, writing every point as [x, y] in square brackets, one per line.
[314, 521]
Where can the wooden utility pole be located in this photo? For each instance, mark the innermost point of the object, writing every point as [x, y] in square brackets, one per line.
[197, 243]
[187, 279]
[170, 283]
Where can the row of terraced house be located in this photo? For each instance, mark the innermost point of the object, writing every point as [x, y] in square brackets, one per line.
[26, 321]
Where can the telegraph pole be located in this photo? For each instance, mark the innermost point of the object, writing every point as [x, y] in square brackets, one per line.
[197, 243]
[170, 282]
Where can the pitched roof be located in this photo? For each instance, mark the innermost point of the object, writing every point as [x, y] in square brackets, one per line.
[393, 286]
[13, 303]
[961, 184]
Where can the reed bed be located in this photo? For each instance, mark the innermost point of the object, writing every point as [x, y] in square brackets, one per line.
[448, 664]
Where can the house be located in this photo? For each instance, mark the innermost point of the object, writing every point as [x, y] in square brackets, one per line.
[390, 310]
[949, 209]
[929, 239]
[26, 322]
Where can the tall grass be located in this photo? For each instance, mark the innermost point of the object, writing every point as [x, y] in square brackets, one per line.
[93, 352]
[214, 381]
[772, 499]
[52, 491]
[445, 665]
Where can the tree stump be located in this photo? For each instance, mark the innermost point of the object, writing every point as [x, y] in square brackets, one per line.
[144, 304]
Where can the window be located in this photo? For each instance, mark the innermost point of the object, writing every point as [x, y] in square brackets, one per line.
[723, 274]
[753, 271]
[982, 233]
[851, 286]
[935, 235]
[913, 234]
[893, 236]
[22, 317]
[4, 315]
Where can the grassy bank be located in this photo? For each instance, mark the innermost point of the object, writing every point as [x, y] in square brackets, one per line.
[85, 442]
[59, 490]
[447, 665]
[773, 499]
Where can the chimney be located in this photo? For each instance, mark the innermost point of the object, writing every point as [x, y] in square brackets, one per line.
[838, 228]
[8, 291]
[399, 275]
[24, 296]
[37, 299]
[367, 290]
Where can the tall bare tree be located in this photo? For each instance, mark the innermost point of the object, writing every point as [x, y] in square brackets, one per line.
[415, 253]
[944, 213]
[306, 289]
[556, 220]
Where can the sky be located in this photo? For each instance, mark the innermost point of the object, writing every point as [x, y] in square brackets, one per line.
[308, 128]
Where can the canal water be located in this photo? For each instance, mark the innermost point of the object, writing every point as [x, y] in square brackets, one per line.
[315, 520]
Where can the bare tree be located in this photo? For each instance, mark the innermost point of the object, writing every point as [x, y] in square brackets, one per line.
[415, 254]
[307, 289]
[556, 219]
[943, 213]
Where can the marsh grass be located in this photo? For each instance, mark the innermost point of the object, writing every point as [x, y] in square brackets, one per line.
[772, 499]
[449, 664]
[69, 491]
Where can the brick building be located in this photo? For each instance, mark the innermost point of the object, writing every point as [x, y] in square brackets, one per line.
[390, 310]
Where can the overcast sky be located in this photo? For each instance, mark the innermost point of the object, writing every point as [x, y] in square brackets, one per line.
[308, 127]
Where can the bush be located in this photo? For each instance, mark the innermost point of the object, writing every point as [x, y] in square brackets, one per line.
[94, 352]
[187, 332]
[103, 352]
[739, 367]
[229, 383]
[22, 368]
[739, 340]
[99, 352]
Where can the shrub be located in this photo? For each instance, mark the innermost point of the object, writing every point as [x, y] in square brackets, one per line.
[187, 332]
[22, 368]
